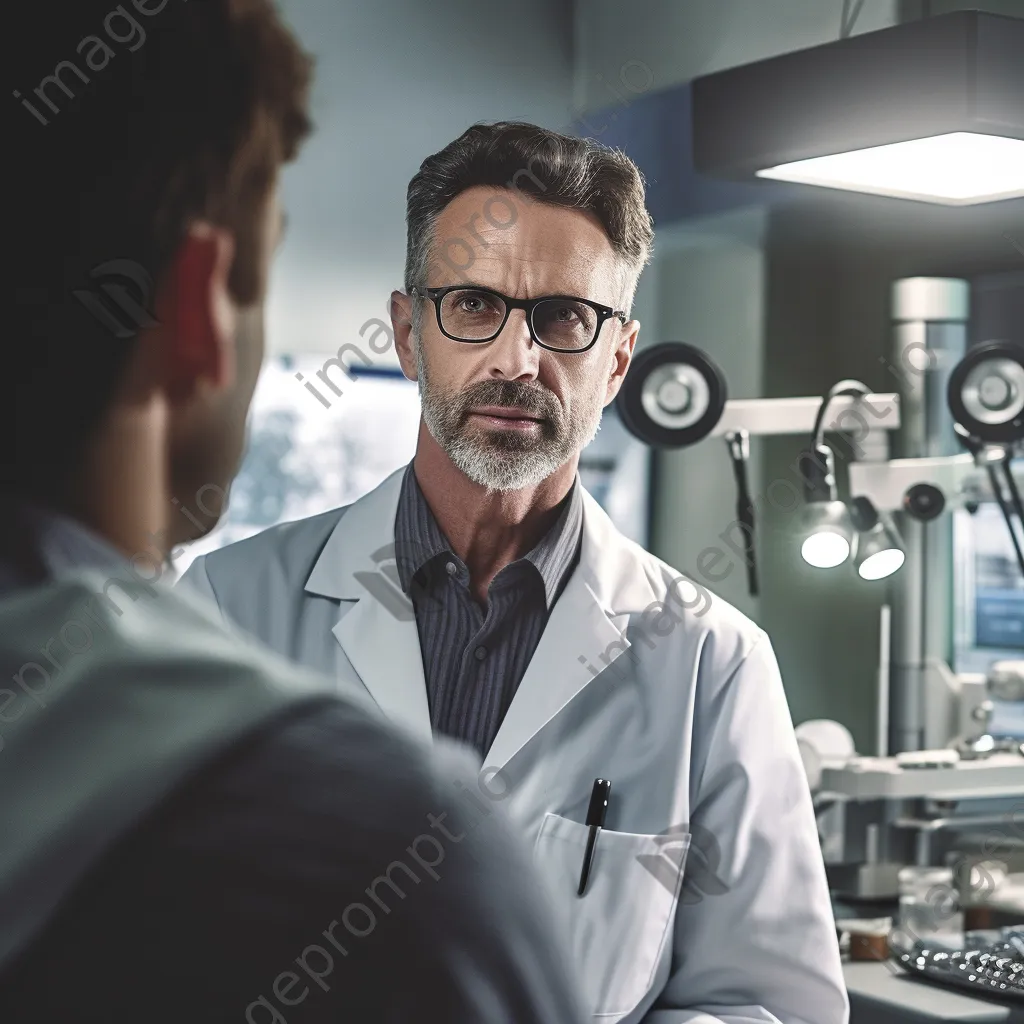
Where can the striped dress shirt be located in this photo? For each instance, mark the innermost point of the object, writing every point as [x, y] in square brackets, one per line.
[475, 657]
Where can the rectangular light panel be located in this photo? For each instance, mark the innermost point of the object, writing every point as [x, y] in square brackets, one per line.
[957, 169]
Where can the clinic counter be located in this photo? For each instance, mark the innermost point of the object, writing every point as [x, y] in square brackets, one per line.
[879, 995]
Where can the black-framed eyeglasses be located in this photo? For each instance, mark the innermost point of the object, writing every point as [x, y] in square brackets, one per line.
[560, 323]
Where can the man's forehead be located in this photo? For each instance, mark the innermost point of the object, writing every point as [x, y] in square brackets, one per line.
[493, 234]
[492, 210]
[504, 265]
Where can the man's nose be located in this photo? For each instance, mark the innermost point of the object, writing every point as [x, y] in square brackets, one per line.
[513, 354]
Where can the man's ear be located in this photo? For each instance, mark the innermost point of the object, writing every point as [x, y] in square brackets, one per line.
[622, 356]
[196, 314]
[401, 323]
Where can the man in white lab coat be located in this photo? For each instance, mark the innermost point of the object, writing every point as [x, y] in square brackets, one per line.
[482, 593]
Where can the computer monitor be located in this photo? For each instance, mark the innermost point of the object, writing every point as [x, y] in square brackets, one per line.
[988, 604]
[989, 591]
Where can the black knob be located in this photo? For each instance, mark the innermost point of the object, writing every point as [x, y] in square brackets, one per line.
[924, 502]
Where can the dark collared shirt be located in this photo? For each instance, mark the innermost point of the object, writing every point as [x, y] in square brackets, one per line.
[474, 658]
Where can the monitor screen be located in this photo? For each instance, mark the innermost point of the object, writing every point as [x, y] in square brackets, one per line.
[989, 602]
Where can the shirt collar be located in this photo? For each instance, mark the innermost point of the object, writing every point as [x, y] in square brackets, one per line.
[419, 540]
[66, 546]
[555, 553]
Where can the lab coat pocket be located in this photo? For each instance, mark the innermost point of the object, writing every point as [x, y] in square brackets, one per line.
[619, 927]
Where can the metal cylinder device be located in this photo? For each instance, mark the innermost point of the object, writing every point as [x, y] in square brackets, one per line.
[930, 318]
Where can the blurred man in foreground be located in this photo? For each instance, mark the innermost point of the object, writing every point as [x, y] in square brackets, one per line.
[193, 830]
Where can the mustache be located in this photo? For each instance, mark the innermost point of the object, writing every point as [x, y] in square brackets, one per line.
[511, 394]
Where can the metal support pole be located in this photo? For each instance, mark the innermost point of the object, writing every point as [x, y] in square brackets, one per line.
[884, 675]
[930, 338]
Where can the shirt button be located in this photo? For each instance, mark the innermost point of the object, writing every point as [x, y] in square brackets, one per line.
[480, 653]
[451, 568]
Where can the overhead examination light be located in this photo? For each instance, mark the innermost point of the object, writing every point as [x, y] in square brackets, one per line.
[931, 110]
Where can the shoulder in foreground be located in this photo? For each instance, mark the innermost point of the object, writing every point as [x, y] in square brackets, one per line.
[338, 764]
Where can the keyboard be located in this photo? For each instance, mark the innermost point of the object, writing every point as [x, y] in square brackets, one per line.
[994, 971]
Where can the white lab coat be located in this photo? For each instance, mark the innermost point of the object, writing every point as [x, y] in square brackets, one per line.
[668, 692]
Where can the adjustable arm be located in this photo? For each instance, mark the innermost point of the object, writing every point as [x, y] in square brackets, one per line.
[761, 417]
[958, 477]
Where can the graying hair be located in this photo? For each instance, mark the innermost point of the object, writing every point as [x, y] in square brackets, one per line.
[560, 170]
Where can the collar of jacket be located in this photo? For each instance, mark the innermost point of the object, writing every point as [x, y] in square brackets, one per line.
[607, 586]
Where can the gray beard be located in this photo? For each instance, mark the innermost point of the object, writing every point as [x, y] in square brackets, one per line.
[503, 461]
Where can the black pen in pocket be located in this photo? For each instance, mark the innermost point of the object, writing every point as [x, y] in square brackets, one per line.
[595, 822]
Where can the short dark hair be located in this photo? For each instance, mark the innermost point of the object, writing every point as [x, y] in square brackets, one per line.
[111, 163]
[560, 170]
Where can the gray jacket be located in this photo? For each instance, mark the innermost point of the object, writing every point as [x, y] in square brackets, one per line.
[170, 790]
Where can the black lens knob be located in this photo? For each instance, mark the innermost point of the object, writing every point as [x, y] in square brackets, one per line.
[924, 502]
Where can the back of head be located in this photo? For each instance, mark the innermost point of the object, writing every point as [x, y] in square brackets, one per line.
[124, 124]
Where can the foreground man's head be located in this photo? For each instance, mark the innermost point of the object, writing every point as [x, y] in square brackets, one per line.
[144, 229]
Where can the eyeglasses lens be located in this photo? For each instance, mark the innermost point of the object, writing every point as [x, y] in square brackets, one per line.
[472, 315]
